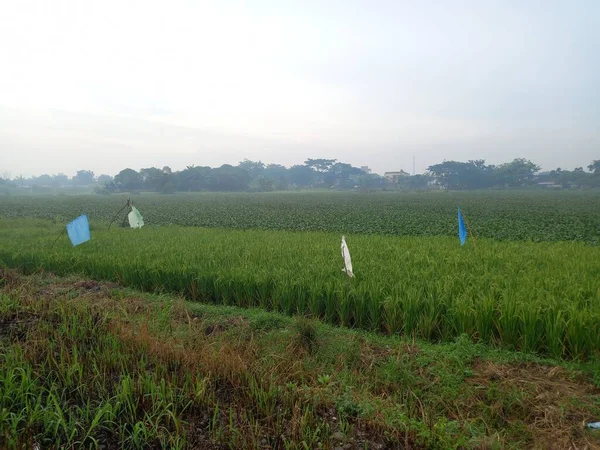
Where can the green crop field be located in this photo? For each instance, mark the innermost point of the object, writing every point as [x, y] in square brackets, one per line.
[540, 297]
[494, 344]
[527, 215]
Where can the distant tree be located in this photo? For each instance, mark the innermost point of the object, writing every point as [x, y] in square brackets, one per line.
[419, 181]
[60, 179]
[254, 168]
[576, 178]
[83, 178]
[229, 178]
[320, 165]
[595, 166]
[300, 175]
[193, 178]
[167, 169]
[104, 179]
[370, 182]
[342, 175]
[274, 171]
[278, 174]
[128, 180]
[43, 180]
[154, 179]
[456, 175]
[517, 173]
[262, 184]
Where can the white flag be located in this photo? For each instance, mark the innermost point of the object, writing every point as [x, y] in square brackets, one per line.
[346, 257]
[135, 218]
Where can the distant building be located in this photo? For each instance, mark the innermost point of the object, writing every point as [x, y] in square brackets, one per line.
[549, 184]
[365, 169]
[394, 176]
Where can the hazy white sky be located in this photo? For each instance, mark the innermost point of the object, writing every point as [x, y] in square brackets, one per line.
[105, 85]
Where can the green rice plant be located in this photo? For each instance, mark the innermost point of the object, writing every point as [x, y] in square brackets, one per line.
[529, 315]
[579, 325]
[316, 301]
[428, 319]
[361, 315]
[462, 316]
[555, 327]
[504, 293]
[346, 306]
[485, 318]
[509, 325]
[393, 315]
[412, 305]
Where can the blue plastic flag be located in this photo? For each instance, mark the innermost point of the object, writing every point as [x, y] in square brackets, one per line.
[79, 230]
[462, 230]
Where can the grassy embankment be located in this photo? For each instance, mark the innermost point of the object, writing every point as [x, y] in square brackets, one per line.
[94, 365]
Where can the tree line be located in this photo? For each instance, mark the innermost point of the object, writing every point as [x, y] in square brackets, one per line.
[319, 174]
[476, 174]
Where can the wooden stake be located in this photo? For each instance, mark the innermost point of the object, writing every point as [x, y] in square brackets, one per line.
[469, 227]
[128, 204]
[58, 237]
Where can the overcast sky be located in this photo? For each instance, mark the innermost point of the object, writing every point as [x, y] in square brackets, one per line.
[105, 85]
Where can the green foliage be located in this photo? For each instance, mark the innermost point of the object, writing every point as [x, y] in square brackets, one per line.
[477, 175]
[306, 334]
[536, 216]
[537, 297]
[121, 369]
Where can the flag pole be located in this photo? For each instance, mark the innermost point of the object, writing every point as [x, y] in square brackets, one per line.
[129, 203]
[469, 227]
[58, 237]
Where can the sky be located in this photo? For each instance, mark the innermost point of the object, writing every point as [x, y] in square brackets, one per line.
[104, 85]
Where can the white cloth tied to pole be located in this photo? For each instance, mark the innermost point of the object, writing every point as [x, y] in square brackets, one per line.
[346, 257]
[135, 218]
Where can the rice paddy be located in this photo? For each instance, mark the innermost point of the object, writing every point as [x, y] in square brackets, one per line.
[495, 344]
[533, 297]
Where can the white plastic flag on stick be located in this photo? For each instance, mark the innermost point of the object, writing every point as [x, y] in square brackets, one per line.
[135, 218]
[346, 257]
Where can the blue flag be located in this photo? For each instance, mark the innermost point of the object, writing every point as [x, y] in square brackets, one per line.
[79, 230]
[462, 230]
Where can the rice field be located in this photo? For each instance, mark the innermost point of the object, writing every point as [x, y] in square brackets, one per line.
[502, 215]
[534, 297]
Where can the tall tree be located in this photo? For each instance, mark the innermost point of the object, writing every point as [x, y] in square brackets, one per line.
[278, 174]
[320, 165]
[60, 179]
[595, 166]
[154, 178]
[229, 178]
[128, 180]
[343, 175]
[43, 180]
[84, 178]
[519, 172]
[463, 175]
[193, 178]
[104, 179]
[254, 168]
[301, 176]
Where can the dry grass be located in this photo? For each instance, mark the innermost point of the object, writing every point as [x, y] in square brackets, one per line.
[553, 403]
